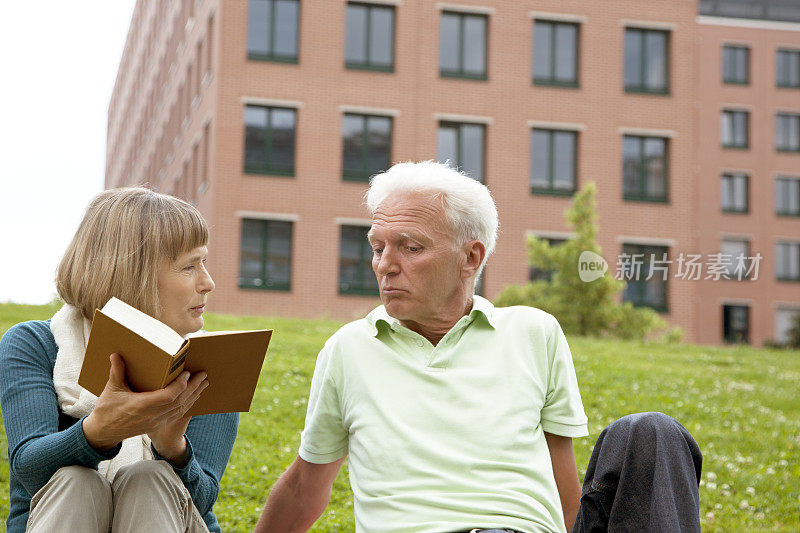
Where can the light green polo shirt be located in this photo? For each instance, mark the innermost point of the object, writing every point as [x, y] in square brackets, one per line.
[447, 438]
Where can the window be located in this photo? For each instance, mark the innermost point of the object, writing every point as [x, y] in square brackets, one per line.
[787, 261]
[646, 61]
[736, 64]
[787, 132]
[369, 43]
[367, 146]
[272, 29]
[555, 53]
[540, 274]
[734, 193]
[462, 46]
[462, 144]
[787, 197]
[645, 169]
[269, 140]
[784, 321]
[736, 324]
[733, 129]
[266, 260]
[553, 156]
[736, 258]
[640, 261]
[787, 69]
[355, 262]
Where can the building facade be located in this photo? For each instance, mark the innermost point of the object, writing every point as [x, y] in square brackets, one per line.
[270, 116]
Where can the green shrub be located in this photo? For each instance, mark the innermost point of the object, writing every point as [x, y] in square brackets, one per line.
[582, 308]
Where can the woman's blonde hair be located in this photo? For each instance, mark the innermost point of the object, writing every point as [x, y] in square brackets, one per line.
[118, 247]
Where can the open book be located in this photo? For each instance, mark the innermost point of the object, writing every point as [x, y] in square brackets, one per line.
[155, 355]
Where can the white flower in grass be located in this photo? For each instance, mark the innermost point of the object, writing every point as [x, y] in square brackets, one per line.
[711, 476]
[751, 491]
[711, 485]
[760, 516]
[784, 462]
[710, 515]
[744, 505]
[770, 470]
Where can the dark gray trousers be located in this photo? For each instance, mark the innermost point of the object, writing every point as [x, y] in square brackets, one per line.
[643, 476]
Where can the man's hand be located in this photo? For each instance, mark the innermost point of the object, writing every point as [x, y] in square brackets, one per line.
[121, 413]
[299, 497]
[562, 456]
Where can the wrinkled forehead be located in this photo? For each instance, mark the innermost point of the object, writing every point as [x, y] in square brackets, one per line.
[410, 214]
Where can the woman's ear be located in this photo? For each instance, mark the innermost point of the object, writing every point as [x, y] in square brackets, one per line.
[474, 252]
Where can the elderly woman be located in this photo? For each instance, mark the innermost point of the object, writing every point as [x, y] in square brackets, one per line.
[131, 461]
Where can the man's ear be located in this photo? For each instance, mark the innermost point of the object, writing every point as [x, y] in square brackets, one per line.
[474, 252]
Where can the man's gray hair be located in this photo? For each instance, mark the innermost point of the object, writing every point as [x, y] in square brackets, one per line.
[468, 207]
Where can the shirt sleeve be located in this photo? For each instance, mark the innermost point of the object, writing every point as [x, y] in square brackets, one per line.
[324, 438]
[209, 442]
[562, 413]
[36, 447]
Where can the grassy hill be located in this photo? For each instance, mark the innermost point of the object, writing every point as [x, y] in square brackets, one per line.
[740, 404]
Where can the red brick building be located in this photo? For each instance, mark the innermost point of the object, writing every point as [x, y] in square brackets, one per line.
[271, 114]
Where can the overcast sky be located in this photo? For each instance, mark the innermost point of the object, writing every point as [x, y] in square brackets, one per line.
[58, 62]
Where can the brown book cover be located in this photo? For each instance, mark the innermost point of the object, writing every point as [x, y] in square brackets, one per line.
[232, 360]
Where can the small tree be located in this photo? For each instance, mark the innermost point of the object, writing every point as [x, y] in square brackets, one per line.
[582, 308]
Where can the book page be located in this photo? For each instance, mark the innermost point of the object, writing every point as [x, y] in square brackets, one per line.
[144, 325]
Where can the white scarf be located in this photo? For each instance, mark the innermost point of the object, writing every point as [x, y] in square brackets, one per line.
[71, 332]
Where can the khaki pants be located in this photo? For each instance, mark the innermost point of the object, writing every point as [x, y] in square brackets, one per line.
[146, 496]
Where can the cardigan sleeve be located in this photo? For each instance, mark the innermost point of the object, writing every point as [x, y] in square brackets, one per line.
[209, 440]
[36, 447]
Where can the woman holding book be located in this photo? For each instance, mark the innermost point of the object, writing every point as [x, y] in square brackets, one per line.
[124, 460]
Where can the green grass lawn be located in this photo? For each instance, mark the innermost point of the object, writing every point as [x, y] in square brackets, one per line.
[740, 404]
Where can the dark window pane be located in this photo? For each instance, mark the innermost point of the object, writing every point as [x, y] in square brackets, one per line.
[286, 21]
[472, 150]
[631, 160]
[255, 136]
[540, 159]
[564, 160]
[356, 34]
[355, 262]
[633, 58]
[282, 139]
[250, 267]
[380, 131]
[259, 26]
[788, 68]
[793, 197]
[448, 145]
[639, 290]
[655, 162]
[449, 53]
[353, 135]
[474, 43]
[656, 67]
[542, 64]
[565, 60]
[740, 193]
[381, 36]
[279, 253]
[735, 324]
[266, 254]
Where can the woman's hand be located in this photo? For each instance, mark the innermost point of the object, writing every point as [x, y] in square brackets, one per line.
[121, 413]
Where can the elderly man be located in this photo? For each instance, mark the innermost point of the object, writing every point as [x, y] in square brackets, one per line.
[456, 415]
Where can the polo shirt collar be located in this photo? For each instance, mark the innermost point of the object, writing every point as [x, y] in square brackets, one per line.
[480, 307]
